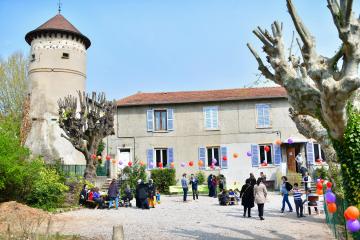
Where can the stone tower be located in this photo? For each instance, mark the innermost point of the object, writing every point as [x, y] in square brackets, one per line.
[57, 68]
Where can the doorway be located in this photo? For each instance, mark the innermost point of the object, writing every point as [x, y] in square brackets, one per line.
[292, 150]
[124, 157]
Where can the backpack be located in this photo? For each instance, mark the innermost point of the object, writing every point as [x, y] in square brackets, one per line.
[288, 186]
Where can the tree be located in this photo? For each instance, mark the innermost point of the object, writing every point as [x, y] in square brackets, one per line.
[85, 129]
[319, 88]
[13, 84]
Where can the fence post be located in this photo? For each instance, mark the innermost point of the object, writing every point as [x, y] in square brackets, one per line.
[118, 232]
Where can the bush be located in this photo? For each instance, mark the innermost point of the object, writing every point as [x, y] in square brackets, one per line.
[321, 173]
[201, 177]
[163, 178]
[132, 175]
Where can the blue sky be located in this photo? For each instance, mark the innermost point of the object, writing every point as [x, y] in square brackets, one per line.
[166, 45]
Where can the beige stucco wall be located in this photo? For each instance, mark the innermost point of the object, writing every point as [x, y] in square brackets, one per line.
[237, 132]
[52, 77]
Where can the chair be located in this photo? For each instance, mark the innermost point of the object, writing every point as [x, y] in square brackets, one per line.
[318, 203]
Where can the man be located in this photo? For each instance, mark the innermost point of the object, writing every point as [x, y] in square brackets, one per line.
[263, 177]
[299, 161]
[184, 186]
[194, 186]
[210, 185]
[113, 194]
[307, 181]
[143, 194]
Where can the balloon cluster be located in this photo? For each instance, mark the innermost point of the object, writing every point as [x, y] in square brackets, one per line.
[319, 186]
[330, 198]
[351, 215]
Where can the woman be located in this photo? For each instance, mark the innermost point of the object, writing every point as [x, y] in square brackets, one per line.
[247, 197]
[113, 193]
[98, 199]
[83, 195]
[214, 186]
[151, 193]
[285, 188]
[260, 194]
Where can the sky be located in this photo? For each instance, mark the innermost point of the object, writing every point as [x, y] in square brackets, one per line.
[167, 45]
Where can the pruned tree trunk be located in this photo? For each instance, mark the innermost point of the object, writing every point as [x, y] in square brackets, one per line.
[86, 128]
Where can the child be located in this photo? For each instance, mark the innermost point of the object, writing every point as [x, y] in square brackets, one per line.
[297, 200]
[312, 198]
[158, 197]
[237, 194]
[231, 197]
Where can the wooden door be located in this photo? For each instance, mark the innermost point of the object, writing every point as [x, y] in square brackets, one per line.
[291, 163]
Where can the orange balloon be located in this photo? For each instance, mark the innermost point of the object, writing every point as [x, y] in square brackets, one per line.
[352, 213]
[332, 207]
[200, 163]
[172, 165]
[319, 192]
[141, 163]
[278, 141]
[235, 155]
[113, 161]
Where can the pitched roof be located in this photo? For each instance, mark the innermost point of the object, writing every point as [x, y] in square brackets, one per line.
[58, 23]
[139, 99]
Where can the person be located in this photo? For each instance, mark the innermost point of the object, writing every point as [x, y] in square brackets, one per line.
[263, 176]
[214, 186]
[252, 179]
[311, 198]
[158, 197]
[91, 194]
[137, 193]
[221, 183]
[237, 194]
[210, 185]
[297, 200]
[98, 199]
[83, 195]
[194, 186]
[143, 195]
[307, 181]
[127, 197]
[247, 197]
[285, 188]
[184, 185]
[232, 199]
[151, 193]
[260, 194]
[223, 198]
[299, 161]
[113, 193]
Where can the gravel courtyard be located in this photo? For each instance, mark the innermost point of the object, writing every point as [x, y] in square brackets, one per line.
[201, 219]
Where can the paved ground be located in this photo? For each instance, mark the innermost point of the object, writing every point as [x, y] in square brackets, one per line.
[202, 219]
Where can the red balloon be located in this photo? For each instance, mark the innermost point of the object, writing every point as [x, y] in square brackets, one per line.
[328, 184]
[267, 148]
[322, 180]
[108, 157]
[319, 185]
[129, 164]
[332, 207]
[160, 164]
[191, 163]
[93, 156]
[224, 158]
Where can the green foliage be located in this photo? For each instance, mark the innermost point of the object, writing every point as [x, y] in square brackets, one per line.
[132, 174]
[163, 179]
[100, 148]
[349, 157]
[201, 177]
[321, 173]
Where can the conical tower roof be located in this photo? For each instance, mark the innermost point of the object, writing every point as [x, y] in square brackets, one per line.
[57, 24]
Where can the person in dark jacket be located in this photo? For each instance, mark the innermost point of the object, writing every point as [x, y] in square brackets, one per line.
[151, 193]
[137, 193]
[194, 186]
[252, 179]
[214, 184]
[113, 193]
[247, 197]
[142, 194]
[210, 185]
[83, 195]
[224, 198]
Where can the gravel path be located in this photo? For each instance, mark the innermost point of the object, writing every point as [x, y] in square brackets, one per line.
[202, 219]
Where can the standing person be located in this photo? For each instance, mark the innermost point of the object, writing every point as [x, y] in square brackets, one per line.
[247, 197]
[285, 189]
[113, 193]
[221, 183]
[263, 176]
[214, 186]
[299, 161]
[298, 200]
[209, 185]
[151, 193]
[83, 195]
[184, 185]
[260, 194]
[143, 195]
[137, 193]
[307, 181]
[194, 186]
[252, 179]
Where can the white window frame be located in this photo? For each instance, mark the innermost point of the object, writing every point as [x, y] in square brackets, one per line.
[257, 115]
[319, 149]
[211, 109]
[212, 151]
[154, 117]
[265, 153]
[161, 157]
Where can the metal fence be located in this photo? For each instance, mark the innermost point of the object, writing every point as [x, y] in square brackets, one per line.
[79, 170]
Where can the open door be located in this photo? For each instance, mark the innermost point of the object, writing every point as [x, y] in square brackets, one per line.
[291, 163]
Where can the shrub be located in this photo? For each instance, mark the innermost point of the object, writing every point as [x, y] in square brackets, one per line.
[163, 178]
[321, 173]
[132, 175]
[201, 177]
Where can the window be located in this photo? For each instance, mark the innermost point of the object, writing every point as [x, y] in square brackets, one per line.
[211, 118]
[265, 156]
[318, 152]
[65, 55]
[263, 116]
[161, 157]
[160, 120]
[32, 57]
[213, 153]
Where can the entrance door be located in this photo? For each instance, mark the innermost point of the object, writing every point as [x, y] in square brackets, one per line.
[291, 163]
[123, 157]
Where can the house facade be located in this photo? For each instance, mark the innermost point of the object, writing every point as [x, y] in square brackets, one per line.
[232, 132]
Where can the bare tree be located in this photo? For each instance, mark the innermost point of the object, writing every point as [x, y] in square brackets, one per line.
[318, 90]
[86, 128]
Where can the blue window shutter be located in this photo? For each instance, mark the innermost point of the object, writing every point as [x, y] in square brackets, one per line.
[150, 120]
[170, 119]
[207, 117]
[310, 153]
[255, 155]
[215, 117]
[277, 154]
[202, 157]
[266, 109]
[224, 163]
[150, 158]
[170, 153]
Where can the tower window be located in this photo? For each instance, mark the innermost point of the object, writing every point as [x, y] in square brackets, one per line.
[65, 56]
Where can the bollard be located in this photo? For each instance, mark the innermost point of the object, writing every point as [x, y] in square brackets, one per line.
[118, 232]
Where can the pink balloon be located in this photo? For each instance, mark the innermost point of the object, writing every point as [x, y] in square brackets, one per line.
[214, 161]
[182, 164]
